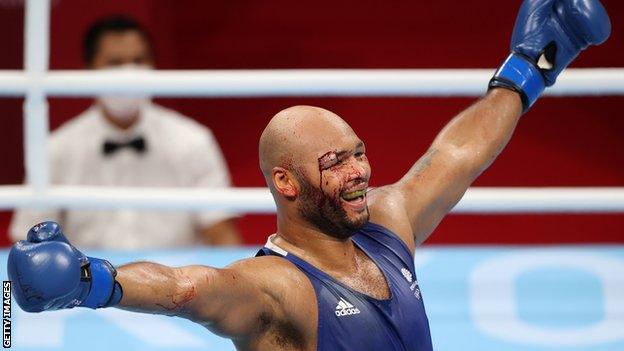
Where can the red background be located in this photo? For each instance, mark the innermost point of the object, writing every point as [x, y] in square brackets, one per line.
[561, 142]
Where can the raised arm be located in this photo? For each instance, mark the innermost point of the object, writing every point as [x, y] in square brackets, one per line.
[547, 36]
[466, 146]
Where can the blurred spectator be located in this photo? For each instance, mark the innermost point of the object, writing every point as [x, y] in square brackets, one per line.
[130, 141]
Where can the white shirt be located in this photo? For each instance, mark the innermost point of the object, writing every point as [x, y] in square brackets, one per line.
[180, 152]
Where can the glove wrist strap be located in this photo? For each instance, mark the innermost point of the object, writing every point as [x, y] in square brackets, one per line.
[104, 290]
[519, 74]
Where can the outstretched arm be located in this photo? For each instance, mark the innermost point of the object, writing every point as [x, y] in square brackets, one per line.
[228, 301]
[462, 150]
[50, 274]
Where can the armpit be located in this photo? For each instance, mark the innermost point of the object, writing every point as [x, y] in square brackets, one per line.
[284, 334]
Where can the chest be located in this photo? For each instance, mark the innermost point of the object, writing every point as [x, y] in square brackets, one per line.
[349, 320]
[367, 279]
[88, 165]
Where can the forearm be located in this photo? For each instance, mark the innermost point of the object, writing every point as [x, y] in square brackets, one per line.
[464, 148]
[154, 288]
[478, 134]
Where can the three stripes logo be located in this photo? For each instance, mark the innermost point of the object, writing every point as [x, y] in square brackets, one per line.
[344, 308]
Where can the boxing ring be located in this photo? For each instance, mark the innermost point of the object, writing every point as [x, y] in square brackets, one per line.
[559, 298]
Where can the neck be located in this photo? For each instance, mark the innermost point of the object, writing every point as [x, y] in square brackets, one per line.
[320, 249]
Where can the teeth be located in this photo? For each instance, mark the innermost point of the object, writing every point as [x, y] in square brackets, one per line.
[354, 194]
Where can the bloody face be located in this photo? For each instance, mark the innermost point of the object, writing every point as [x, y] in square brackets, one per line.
[337, 205]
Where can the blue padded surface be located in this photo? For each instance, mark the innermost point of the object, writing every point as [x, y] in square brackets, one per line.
[477, 298]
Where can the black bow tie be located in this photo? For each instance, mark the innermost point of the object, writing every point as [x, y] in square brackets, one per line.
[138, 144]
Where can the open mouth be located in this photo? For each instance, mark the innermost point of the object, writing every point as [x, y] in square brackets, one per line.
[354, 196]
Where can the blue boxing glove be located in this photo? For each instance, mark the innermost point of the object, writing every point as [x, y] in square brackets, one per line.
[547, 36]
[50, 274]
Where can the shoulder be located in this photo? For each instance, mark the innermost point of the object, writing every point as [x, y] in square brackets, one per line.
[77, 126]
[294, 312]
[387, 208]
[76, 131]
[183, 134]
[283, 282]
[290, 313]
[272, 272]
[177, 123]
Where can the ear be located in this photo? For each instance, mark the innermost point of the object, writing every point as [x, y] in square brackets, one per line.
[284, 183]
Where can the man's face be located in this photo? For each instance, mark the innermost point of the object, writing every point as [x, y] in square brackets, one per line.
[333, 193]
[127, 50]
[122, 48]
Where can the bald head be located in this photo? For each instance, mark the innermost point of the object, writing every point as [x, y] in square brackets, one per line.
[311, 160]
[295, 134]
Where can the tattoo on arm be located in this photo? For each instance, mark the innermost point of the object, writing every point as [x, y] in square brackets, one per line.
[423, 163]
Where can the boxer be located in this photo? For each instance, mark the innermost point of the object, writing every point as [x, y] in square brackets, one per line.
[339, 272]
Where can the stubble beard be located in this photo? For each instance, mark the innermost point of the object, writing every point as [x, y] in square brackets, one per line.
[326, 213]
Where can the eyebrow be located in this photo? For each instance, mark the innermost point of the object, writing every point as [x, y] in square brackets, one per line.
[360, 144]
[341, 153]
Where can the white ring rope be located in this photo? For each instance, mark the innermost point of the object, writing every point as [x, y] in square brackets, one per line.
[259, 200]
[303, 82]
[36, 82]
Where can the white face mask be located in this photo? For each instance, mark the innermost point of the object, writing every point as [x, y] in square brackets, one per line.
[124, 108]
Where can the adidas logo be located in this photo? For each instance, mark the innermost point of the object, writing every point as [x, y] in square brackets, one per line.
[344, 308]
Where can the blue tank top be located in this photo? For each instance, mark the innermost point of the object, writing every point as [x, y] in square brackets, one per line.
[349, 320]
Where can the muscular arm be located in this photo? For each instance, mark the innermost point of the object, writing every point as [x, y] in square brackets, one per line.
[464, 148]
[227, 301]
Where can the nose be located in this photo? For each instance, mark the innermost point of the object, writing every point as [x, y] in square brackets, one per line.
[358, 169]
